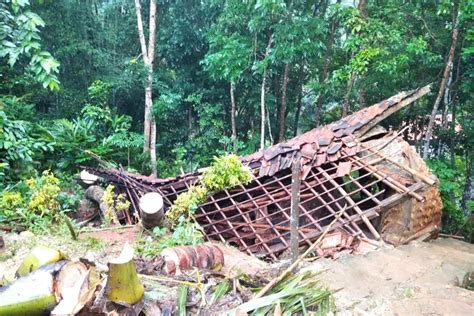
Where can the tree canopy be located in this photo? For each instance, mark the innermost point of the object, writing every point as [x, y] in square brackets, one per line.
[228, 76]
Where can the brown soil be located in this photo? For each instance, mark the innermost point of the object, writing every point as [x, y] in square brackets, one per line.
[415, 279]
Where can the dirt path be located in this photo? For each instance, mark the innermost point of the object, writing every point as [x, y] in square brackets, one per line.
[416, 279]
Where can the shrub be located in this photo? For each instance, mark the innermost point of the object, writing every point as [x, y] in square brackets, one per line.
[34, 204]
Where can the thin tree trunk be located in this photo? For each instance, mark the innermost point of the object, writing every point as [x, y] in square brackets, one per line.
[148, 111]
[148, 53]
[361, 96]
[345, 105]
[468, 186]
[233, 111]
[298, 101]
[276, 95]
[324, 73]
[281, 133]
[270, 134]
[444, 80]
[454, 99]
[361, 7]
[262, 112]
[262, 96]
[447, 99]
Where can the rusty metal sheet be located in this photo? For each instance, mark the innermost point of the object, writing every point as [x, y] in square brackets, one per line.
[322, 149]
[342, 124]
[285, 162]
[339, 133]
[274, 165]
[350, 151]
[349, 141]
[272, 151]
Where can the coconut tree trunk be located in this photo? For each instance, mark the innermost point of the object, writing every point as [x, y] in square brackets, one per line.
[233, 112]
[444, 80]
[281, 133]
[262, 96]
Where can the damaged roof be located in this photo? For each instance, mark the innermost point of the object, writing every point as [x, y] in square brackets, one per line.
[330, 142]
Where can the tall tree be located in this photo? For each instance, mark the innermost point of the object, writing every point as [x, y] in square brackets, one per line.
[20, 39]
[148, 55]
[444, 80]
[262, 93]
[284, 85]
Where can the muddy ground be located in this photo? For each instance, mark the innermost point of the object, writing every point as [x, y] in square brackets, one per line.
[421, 278]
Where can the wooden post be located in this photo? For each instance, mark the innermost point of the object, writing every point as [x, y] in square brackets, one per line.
[295, 201]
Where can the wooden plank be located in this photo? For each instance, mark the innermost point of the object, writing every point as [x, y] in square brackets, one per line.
[295, 201]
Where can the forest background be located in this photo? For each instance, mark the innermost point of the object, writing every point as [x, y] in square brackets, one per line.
[79, 79]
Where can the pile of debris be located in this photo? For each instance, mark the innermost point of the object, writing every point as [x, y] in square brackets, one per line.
[191, 279]
[381, 185]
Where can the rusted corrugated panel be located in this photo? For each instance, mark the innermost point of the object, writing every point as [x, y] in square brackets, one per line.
[324, 137]
[274, 165]
[348, 141]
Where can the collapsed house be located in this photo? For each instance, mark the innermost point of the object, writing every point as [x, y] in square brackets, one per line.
[381, 186]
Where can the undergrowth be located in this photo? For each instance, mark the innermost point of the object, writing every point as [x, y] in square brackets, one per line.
[452, 179]
[224, 173]
[37, 203]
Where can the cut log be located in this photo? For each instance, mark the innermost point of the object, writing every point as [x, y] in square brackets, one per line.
[182, 258]
[151, 209]
[95, 193]
[88, 178]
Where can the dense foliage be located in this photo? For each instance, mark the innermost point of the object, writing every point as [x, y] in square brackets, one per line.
[72, 81]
